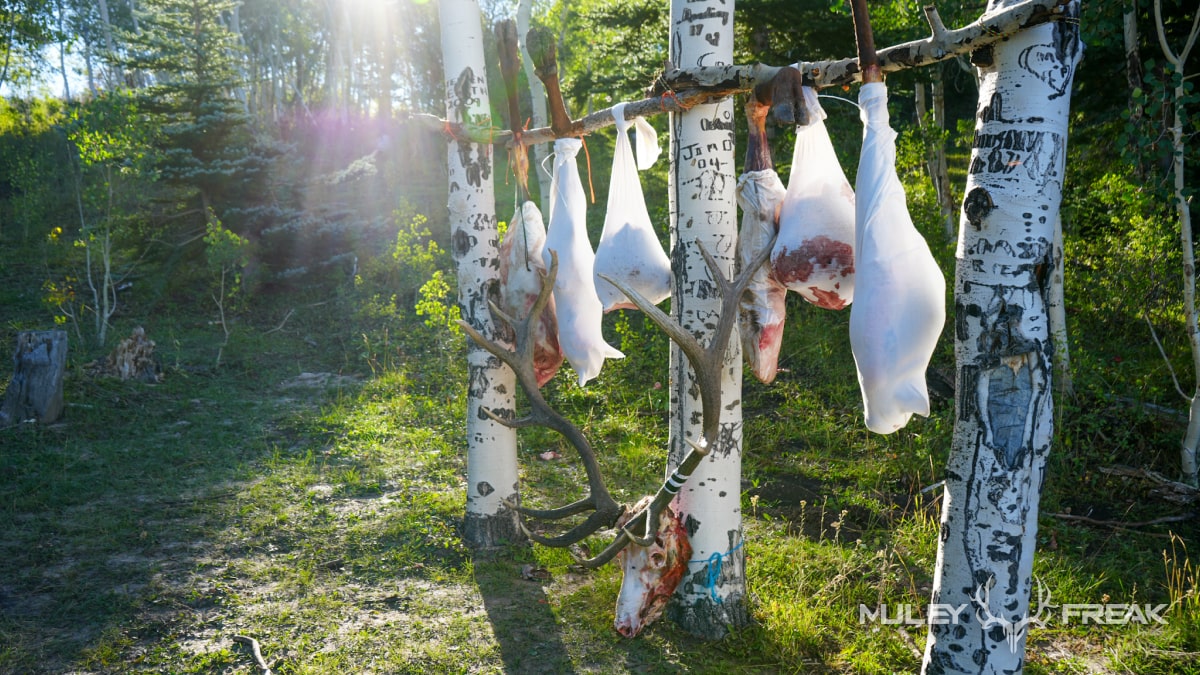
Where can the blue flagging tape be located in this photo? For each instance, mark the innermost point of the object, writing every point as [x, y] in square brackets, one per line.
[715, 562]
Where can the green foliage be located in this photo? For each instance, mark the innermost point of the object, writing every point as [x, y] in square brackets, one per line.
[32, 153]
[225, 251]
[29, 27]
[417, 255]
[1126, 259]
[437, 304]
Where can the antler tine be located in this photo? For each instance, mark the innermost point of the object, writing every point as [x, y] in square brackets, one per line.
[561, 512]
[595, 522]
[686, 341]
[501, 314]
[548, 279]
[731, 291]
[607, 554]
[705, 361]
[519, 359]
[745, 276]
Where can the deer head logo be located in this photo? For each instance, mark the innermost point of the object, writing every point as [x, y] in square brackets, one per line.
[1014, 631]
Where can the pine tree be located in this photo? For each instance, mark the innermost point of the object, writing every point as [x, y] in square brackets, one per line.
[204, 140]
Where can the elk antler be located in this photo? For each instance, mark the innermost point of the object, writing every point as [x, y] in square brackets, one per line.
[605, 510]
[705, 361]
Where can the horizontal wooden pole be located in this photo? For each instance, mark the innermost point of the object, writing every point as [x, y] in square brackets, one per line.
[682, 88]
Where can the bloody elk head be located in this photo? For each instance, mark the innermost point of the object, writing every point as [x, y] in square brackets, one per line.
[650, 573]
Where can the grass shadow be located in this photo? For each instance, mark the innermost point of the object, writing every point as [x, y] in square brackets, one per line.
[109, 510]
[522, 618]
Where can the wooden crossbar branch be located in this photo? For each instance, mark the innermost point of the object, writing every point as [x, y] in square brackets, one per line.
[679, 89]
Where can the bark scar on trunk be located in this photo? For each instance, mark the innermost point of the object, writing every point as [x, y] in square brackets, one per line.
[1006, 397]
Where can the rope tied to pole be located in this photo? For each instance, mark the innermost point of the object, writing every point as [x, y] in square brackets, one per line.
[676, 101]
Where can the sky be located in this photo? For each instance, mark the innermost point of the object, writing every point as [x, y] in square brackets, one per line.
[49, 81]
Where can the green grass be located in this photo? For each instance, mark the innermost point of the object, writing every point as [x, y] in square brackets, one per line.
[155, 522]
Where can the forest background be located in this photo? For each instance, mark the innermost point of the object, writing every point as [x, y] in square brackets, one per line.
[248, 182]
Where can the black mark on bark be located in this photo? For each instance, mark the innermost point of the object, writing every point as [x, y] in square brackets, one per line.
[977, 205]
[983, 57]
[461, 242]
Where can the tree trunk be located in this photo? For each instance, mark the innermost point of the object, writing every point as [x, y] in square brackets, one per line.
[1004, 409]
[1058, 317]
[935, 160]
[36, 389]
[491, 447]
[537, 95]
[1191, 439]
[1133, 73]
[941, 181]
[711, 599]
[62, 51]
[110, 50]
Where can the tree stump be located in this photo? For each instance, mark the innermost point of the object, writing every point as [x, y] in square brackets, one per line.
[36, 389]
[133, 359]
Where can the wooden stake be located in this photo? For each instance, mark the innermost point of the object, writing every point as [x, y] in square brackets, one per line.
[868, 60]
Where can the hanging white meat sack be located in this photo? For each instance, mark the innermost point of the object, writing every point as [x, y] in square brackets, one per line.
[899, 305]
[761, 312]
[814, 254]
[578, 309]
[629, 251]
[521, 267]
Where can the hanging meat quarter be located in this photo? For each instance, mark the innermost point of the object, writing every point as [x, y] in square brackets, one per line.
[578, 308]
[629, 251]
[521, 267]
[759, 193]
[814, 254]
[901, 305]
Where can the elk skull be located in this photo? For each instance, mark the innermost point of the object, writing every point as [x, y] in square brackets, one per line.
[650, 573]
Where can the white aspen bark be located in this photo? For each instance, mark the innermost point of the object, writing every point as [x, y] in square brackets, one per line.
[1058, 317]
[491, 447]
[87, 63]
[239, 56]
[62, 52]
[1133, 62]
[1133, 76]
[110, 51]
[537, 97]
[1004, 409]
[1191, 438]
[711, 598]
